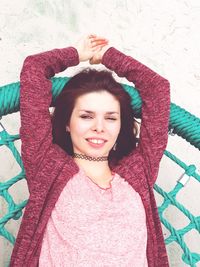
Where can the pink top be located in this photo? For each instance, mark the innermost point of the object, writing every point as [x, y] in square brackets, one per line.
[91, 226]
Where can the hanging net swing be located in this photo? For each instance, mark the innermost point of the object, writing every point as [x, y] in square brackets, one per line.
[181, 123]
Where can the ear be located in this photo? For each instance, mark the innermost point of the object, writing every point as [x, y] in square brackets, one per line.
[67, 128]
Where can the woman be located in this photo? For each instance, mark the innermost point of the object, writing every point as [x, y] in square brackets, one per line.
[91, 190]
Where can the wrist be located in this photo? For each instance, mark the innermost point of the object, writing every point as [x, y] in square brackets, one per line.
[79, 54]
[106, 53]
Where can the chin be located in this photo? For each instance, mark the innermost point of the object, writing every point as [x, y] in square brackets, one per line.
[94, 151]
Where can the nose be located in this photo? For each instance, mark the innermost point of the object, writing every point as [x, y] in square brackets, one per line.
[98, 126]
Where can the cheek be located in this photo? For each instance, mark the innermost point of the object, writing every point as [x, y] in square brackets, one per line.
[79, 129]
[115, 129]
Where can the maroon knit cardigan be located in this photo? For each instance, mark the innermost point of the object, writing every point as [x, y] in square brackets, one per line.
[48, 167]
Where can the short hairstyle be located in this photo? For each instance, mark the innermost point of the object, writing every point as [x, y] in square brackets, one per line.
[87, 81]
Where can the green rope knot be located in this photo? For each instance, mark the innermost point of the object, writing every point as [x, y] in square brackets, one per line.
[190, 170]
[3, 141]
[193, 258]
[7, 138]
[18, 215]
[185, 177]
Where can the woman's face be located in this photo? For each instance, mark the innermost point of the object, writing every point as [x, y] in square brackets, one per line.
[95, 123]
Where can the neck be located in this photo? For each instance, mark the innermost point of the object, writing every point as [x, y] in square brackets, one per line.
[97, 169]
[90, 158]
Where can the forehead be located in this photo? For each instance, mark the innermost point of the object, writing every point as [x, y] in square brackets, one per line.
[97, 101]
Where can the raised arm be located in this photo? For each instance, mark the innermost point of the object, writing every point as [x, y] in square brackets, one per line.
[36, 98]
[155, 93]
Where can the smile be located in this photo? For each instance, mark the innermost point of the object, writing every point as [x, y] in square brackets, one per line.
[96, 141]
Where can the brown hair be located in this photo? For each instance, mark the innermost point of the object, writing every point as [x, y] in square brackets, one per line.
[92, 80]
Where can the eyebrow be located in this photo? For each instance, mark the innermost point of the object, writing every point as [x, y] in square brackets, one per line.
[92, 112]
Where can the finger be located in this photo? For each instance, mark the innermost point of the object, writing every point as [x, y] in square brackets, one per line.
[95, 61]
[97, 36]
[98, 47]
[99, 42]
[92, 61]
[96, 39]
[91, 35]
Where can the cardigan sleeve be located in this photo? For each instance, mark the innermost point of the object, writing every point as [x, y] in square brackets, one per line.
[155, 93]
[35, 100]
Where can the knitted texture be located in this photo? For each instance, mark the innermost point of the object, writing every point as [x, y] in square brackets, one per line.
[49, 168]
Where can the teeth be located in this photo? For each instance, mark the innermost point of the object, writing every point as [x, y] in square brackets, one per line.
[96, 141]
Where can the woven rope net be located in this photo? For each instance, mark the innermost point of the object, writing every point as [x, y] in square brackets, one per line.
[181, 123]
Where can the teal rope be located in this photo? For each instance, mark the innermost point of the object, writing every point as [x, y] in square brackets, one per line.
[181, 122]
[185, 124]
[189, 170]
[170, 199]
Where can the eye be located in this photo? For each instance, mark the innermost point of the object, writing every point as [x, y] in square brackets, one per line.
[85, 116]
[111, 118]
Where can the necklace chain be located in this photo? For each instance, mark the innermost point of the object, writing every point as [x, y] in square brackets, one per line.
[81, 156]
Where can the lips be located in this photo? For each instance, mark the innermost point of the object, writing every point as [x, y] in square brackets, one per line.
[96, 142]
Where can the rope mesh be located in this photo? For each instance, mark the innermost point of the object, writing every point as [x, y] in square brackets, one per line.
[181, 123]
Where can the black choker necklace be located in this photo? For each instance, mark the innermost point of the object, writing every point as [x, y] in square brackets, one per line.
[81, 156]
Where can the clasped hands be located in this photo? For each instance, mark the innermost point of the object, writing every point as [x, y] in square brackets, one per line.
[92, 48]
